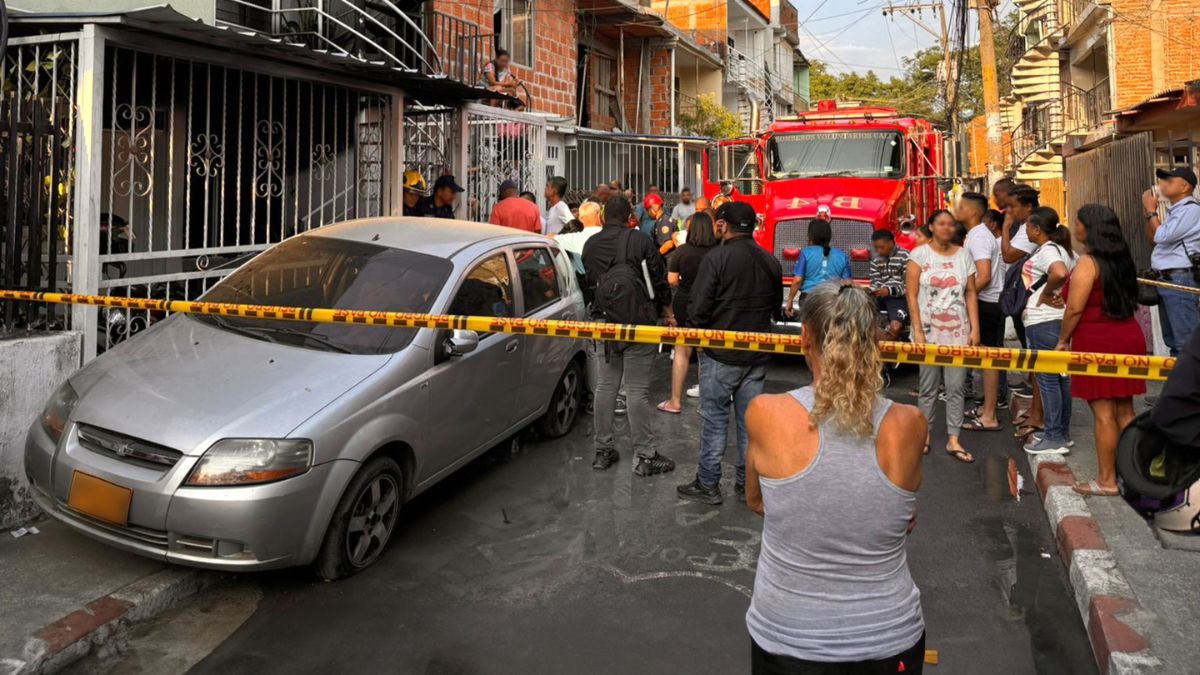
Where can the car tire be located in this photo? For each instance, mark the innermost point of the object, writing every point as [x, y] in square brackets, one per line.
[564, 404]
[363, 521]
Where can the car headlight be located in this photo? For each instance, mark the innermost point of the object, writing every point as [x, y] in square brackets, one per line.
[249, 461]
[58, 409]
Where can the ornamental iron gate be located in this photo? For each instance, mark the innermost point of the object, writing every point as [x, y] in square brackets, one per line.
[638, 162]
[501, 145]
[37, 168]
[204, 165]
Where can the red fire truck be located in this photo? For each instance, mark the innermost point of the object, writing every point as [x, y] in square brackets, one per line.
[862, 168]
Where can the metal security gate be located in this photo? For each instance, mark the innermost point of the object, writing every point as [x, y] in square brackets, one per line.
[430, 139]
[37, 167]
[636, 161]
[501, 145]
[1115, 175]
[203, 165]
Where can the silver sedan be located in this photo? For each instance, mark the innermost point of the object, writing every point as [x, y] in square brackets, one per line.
[245, 444]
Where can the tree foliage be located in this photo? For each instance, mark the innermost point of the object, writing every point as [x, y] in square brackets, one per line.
[918, 90]
[709, 118]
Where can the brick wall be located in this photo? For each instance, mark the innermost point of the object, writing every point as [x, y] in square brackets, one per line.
[706, 20]
[656, 96]
[551, 80]
[1146, 41]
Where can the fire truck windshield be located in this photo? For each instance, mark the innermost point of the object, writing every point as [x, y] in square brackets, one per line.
[859, 154]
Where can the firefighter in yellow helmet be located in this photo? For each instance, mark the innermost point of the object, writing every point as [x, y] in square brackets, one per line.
[415, 189]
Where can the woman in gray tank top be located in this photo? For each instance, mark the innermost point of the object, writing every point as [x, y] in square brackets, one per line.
[834, 469]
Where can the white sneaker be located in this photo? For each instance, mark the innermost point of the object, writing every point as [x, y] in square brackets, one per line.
[693, 391]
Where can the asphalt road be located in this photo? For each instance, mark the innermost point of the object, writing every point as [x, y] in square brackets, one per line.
[535, 563]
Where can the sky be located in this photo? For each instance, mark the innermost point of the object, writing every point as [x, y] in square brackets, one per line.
[854, 35]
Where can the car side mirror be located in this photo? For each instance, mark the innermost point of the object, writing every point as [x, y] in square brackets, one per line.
[460, 343]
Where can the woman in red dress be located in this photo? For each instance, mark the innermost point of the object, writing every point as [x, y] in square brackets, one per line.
[1101, 300]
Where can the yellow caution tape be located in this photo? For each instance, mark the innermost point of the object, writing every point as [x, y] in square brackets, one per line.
[1026, 360]
[1171, 286]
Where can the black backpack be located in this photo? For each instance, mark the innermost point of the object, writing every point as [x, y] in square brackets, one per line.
[621, 295]
[1013, 295]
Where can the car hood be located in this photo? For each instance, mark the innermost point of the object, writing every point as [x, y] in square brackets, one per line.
[186, 384]
[851, 198]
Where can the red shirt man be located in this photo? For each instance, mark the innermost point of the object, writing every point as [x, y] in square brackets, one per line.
[512, 211]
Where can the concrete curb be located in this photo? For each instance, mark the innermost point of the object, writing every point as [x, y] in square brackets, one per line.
[106, 620]
[1105, 600]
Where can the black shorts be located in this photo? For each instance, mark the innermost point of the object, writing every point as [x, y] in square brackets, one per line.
[910, 661]
[991, 324]
[896, 308]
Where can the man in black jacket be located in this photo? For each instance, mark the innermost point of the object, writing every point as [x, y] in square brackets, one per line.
[739, 288]
[1177, 413]
[632, 361]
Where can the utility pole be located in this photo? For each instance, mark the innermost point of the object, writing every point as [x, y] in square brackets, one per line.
[991, 92]
[914, 12]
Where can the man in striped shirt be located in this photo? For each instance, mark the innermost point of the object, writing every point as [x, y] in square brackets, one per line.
[887, 281]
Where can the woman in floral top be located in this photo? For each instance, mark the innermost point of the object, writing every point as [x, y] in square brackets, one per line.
[940, 285]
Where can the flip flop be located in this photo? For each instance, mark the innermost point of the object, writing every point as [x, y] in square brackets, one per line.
[976, 425]
[1025, 430]
[926, 450]
[1092, 489]
[668, 409]
[961, 455]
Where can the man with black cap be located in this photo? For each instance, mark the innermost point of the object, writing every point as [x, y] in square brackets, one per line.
[1176, 254]
[739, 288]
[629, 286]
[440, 204]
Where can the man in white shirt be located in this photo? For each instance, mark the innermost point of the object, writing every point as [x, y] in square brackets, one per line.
[684, 209]
[572, 242]
[985, 253]
[557, 211]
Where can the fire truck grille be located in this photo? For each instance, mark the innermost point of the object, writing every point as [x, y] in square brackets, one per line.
[847, 235]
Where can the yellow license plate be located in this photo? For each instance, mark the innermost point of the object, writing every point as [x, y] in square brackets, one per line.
[99, 498]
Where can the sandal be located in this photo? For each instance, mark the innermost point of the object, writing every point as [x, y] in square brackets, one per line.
[976, 425]
[1025, 430]
[665, 407]
[1092, 489]
[961, 455]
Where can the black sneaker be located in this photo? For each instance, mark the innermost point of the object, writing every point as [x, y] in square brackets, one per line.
[650, 465]
[699, 492]
[604, 459]
[621, 406]
[739, 489]
[1002, 404]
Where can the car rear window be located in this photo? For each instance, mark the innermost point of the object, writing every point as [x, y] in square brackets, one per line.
[322, 272]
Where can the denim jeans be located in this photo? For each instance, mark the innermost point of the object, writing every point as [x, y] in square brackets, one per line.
[1178, 312]
[719, 382]
[1055, 389]
[634, 363]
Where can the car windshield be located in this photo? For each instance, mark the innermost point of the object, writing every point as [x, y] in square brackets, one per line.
[865, 154]
[321, 272]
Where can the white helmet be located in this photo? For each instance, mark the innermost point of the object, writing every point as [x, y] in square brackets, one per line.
[1184, 515]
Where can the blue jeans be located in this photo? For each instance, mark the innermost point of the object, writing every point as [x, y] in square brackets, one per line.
[719, 382]
[1178, 312]
[1055, 389]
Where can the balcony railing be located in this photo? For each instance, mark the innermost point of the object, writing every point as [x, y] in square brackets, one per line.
[1072, 11]
[458, 45]
[374, 31]
[745, 71]
[1035, 29]
[1084, 108]
[1040, 127]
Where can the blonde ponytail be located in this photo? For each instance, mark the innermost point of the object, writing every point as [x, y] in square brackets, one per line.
[841, 323]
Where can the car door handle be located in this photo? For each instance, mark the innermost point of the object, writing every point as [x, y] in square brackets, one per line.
[512, 345]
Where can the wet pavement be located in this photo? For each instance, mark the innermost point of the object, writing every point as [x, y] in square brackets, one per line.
[534, 562]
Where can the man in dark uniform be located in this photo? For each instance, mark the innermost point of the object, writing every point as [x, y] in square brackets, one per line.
[440, 204]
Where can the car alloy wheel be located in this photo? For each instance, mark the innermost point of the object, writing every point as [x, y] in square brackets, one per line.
[564, 404]
[371, 520]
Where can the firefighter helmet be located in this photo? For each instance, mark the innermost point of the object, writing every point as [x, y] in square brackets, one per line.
[415, 182]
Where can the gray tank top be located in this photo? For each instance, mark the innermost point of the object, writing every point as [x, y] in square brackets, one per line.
[832, 583]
